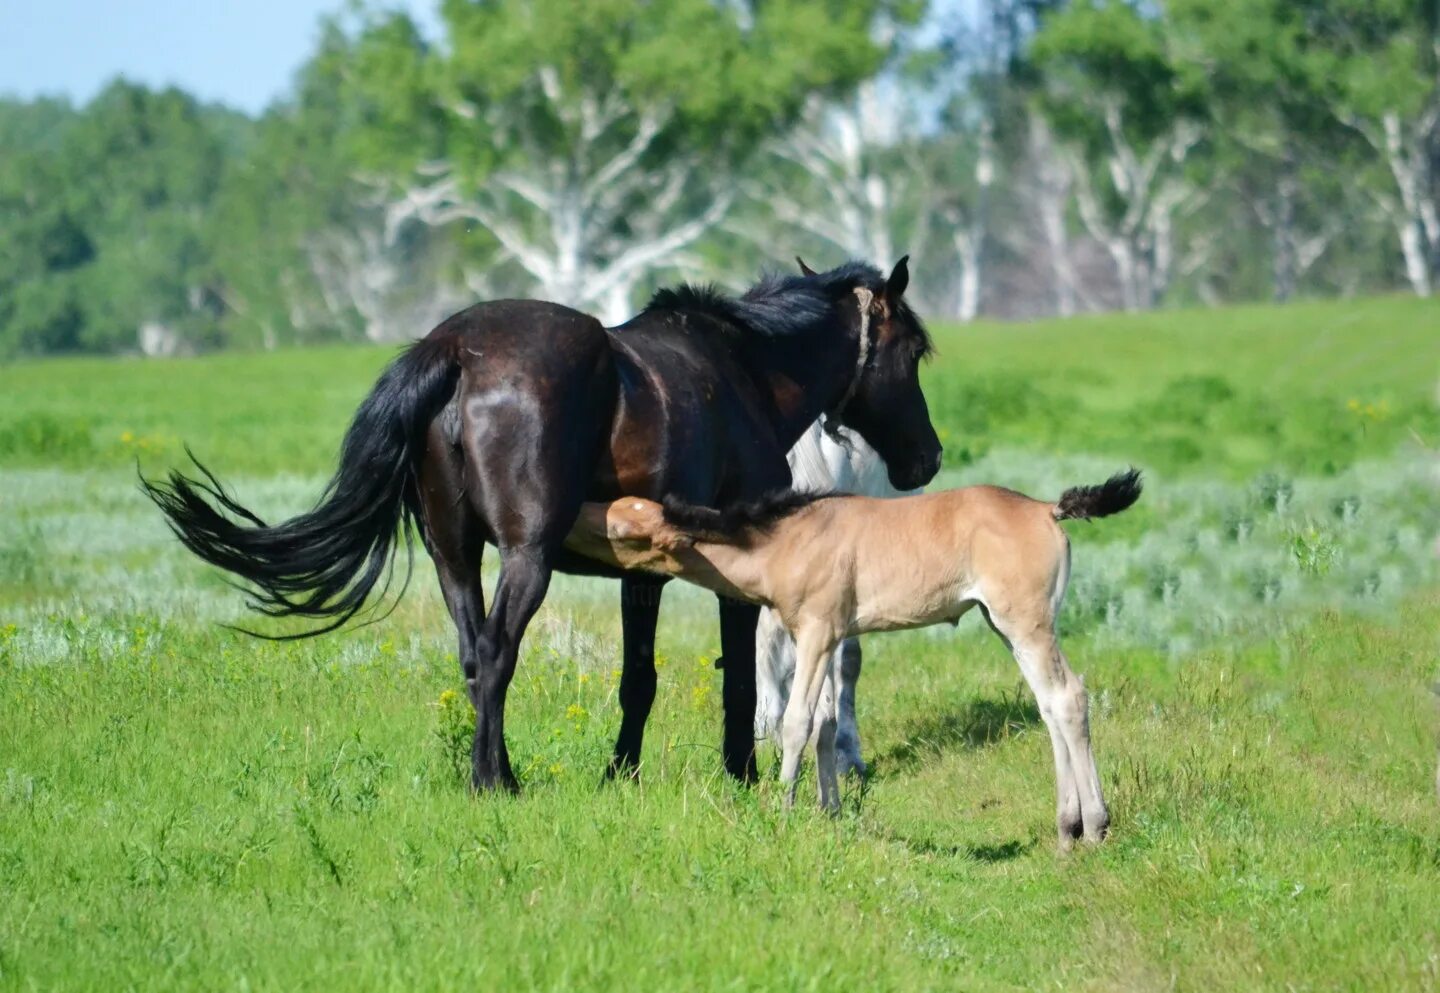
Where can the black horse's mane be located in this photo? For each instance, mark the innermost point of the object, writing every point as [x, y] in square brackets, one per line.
[730, 524]
[780, 303]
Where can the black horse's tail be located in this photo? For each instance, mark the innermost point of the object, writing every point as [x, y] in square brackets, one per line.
[325, 562]
[1080, 503]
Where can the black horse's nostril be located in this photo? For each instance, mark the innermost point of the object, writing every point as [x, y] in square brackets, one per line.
[928, 466]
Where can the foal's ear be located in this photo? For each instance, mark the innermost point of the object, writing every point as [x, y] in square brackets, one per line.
[805, 270]
[899, 279]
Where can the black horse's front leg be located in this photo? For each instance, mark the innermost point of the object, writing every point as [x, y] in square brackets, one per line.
[639, 611]
[737, 645]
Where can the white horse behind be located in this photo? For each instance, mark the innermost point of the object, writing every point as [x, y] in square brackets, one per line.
[819, 463]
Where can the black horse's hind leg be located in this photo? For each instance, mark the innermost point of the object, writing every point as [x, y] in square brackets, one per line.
[524, 578]
[639, 611]
[454, 537]
[532, 424]
[737, 645]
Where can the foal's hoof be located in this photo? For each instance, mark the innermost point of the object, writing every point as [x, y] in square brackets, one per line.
[1096, 832]
[1069, 832]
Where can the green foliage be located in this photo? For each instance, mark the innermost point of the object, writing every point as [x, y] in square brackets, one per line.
[46, 438]
[522, 84]
[1096, 52]
[104, 213]
[147, 212]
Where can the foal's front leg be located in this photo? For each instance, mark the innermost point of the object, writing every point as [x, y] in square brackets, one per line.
[807, 693]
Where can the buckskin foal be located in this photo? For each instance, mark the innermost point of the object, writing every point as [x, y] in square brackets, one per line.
[834, 566]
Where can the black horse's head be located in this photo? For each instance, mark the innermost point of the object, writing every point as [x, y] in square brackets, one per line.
[885, 403]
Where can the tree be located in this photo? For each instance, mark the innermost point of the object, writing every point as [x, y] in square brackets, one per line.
[591, 139]
[1131, 115]
[1381, 63]
[1272, 135]
[104, 216]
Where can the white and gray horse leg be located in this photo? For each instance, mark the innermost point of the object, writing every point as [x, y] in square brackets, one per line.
[847, 733]
[774, 669]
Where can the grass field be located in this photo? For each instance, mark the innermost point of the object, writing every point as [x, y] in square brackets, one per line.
[185, 808]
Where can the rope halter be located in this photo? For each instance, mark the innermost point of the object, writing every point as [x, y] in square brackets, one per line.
[831, 419]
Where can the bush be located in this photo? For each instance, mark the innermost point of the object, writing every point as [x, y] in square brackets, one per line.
[47, 437]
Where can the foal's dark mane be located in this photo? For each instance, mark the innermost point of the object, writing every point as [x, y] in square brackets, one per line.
[783, 304]
[732, 523]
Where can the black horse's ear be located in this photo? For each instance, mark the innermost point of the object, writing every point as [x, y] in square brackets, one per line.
[805, 270]
[899, 279]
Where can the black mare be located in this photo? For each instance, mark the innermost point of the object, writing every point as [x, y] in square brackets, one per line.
[495, 427]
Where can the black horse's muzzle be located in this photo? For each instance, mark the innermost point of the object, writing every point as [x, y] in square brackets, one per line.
[917, 473]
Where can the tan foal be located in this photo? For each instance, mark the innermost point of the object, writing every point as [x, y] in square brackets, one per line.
[837, 566]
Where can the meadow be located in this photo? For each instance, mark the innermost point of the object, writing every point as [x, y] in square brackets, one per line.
[183, 807]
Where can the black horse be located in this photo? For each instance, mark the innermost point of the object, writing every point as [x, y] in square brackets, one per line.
[497, 425]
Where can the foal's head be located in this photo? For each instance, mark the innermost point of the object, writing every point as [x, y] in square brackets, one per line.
[885, 403]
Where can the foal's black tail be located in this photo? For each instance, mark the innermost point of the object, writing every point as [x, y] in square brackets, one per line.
[325, 562]
[1080, 503]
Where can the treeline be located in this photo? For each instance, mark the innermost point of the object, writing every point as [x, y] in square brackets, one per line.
[1033, 156]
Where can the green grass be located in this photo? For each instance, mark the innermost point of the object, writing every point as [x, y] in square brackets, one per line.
[1227, 392]
[182, 807]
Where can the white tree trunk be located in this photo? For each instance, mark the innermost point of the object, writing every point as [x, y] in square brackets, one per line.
[1408, 149]
[1051, 198]
[557, 217]
[835, 145]
[967, 251]
[1141, 240]
[1412, 249]
[615, 308]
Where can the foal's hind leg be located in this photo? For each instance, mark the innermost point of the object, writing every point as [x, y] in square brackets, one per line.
[1064, 706]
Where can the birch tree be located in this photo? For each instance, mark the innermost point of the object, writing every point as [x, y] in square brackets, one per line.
[1130, 116]
[1275, 139]
[1381, 59]
[593, 140]
[861, 177]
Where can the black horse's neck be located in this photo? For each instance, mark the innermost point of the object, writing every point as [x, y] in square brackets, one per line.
[804, 375]
[801, 339]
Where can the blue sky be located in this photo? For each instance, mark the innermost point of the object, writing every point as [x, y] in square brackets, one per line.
[239, 52]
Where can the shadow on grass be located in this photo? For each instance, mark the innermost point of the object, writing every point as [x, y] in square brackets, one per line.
[992, 854]
[979, 724]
